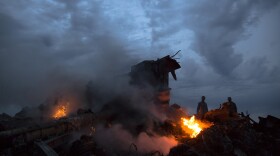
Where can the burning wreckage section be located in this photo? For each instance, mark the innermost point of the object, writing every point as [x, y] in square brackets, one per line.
[139, 122]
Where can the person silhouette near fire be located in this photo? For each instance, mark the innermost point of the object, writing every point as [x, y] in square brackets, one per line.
[201, 108]
[230, 106]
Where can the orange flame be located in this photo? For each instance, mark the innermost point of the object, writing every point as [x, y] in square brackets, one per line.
[193, 127]
[60, 112]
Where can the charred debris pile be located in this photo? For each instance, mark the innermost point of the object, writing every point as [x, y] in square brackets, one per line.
[236, 136]
[138, 122]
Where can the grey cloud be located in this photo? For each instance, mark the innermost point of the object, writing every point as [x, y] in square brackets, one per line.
[258, 70]
[163, 23]
[219, 27]
[39, 59]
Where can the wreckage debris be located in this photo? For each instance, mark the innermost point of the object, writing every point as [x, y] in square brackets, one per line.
[235, 137]
[154, 75]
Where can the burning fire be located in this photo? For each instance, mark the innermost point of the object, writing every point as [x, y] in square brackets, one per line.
[60, 112]
[193, 127]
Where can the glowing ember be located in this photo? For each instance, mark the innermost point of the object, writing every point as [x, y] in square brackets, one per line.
[193, 127]
[60, 112]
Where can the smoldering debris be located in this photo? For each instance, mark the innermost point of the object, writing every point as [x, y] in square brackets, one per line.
[235, 137]
[117, 140]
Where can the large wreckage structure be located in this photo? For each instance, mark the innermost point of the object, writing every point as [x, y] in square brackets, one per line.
[155, 75]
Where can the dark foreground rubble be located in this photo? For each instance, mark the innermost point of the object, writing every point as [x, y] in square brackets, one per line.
[236, 137]
[239, 136]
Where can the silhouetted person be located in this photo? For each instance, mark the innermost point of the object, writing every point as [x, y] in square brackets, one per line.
[201, 108]
[230, 106]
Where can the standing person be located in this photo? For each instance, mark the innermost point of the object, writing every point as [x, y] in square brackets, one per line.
[201, 108]
[230, 106]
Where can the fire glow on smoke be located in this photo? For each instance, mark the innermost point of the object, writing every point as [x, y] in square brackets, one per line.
[193, 126]
[60, 111]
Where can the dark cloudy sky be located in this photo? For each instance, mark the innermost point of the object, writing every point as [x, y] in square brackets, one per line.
[229, 48]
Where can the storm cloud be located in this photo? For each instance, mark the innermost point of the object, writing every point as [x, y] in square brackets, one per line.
[48, 47]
